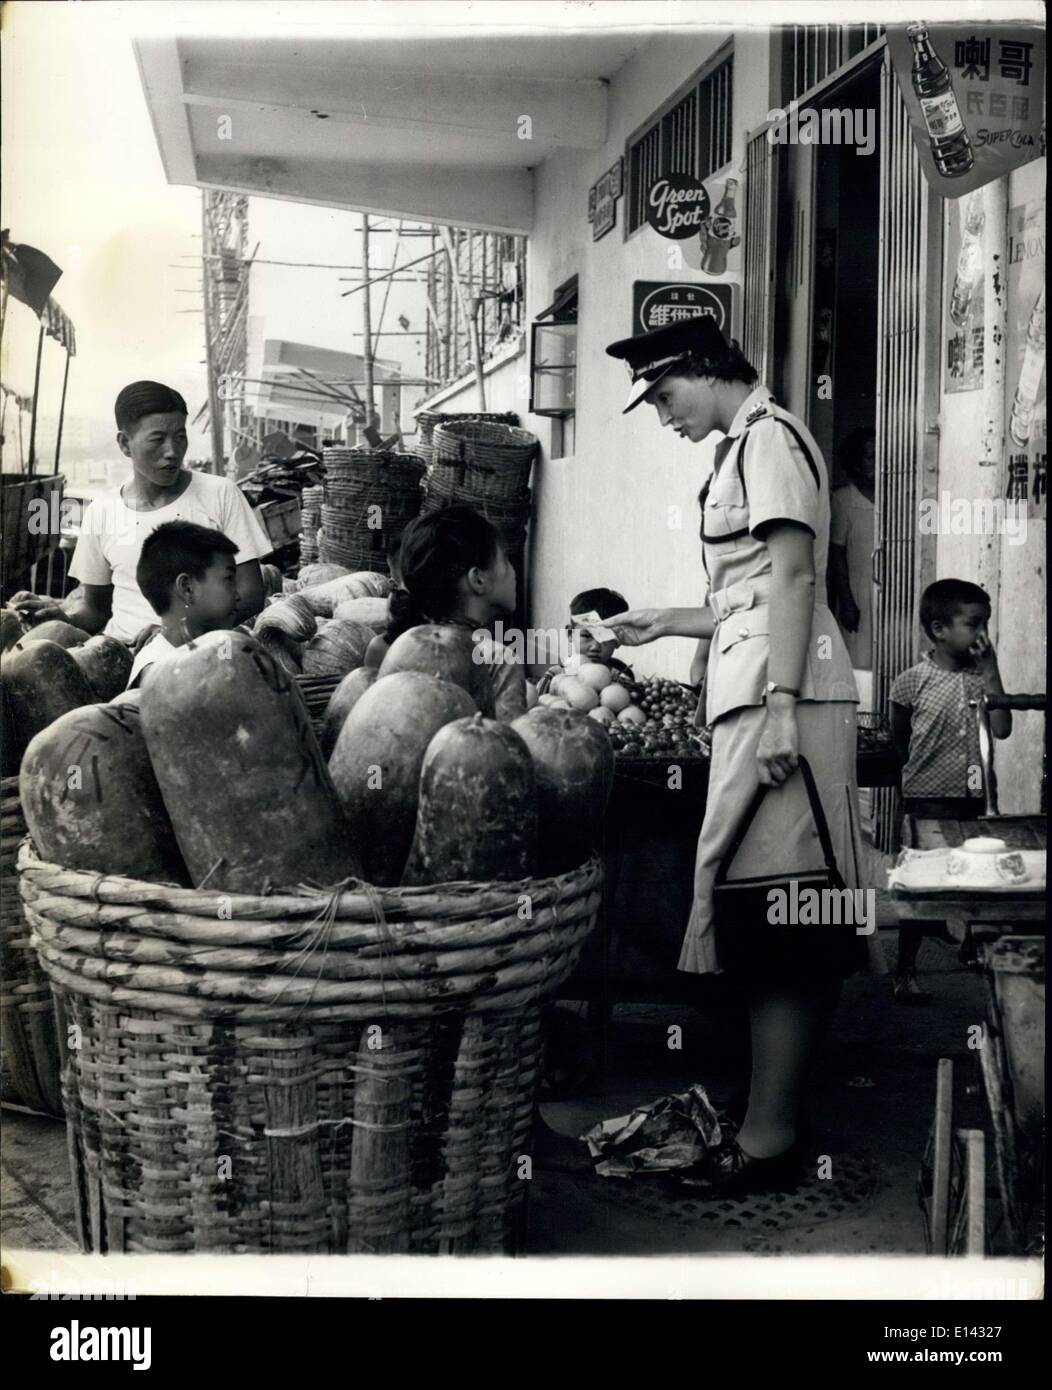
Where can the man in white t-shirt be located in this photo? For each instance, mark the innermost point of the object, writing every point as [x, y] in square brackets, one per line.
[151, 425]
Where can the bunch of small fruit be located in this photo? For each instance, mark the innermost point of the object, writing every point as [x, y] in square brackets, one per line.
[650, 718]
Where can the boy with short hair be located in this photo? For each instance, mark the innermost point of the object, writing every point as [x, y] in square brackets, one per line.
[151, 433]
[934, 726]
[605, 602]
[189, 576]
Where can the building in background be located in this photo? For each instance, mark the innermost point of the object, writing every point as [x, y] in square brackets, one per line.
[834, 262]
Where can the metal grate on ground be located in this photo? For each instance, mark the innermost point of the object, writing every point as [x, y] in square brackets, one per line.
[816, 1200]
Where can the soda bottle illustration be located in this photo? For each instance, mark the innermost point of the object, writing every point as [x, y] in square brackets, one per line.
[721, 228]
[1030, 375]
[970, 259]
[950, 147]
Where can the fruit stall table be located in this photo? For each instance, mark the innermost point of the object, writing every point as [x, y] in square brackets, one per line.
[651, 840]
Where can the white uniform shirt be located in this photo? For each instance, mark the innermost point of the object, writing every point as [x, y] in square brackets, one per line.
[764, 477]
[111, 538]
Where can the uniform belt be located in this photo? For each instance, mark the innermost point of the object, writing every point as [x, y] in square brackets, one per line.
[736, 598]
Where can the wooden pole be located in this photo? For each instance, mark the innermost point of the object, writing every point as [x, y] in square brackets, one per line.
[367, 329]
[940, 1189]
[61, 413]
[36, 396]
[215, 417]
[470, 316]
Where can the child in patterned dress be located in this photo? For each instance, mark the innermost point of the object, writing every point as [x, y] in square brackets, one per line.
[935, 730]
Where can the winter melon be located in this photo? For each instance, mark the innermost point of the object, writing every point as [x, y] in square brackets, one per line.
[477, 813]
[343, 699]
[241, 773]
[446, 652]
[377, 759]
[43, 682]
[91, 800]
[574, 763]
[105, 663]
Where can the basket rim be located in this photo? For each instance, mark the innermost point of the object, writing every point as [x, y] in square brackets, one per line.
[356, 900]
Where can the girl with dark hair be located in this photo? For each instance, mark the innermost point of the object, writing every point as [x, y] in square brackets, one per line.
[452, 568]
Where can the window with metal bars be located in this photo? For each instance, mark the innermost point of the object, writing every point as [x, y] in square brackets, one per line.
[693, 136]
[813, 52]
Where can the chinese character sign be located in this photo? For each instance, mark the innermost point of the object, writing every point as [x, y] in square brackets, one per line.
[963, 278]
[1026, 431]
[656, 304]
[975, 97]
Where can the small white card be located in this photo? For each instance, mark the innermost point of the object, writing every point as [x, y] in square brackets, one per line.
[594, 623]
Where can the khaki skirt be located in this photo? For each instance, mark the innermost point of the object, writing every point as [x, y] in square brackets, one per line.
[782, 838]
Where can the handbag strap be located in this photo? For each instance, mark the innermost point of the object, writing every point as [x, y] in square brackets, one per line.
[750, 815]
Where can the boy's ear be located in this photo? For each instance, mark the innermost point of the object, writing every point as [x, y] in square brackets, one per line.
[184, 586]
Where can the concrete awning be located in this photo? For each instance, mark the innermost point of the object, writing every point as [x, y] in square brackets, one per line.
[432, 127]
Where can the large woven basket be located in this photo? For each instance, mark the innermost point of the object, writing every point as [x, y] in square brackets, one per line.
[428, 420]
[356, 483]
[482, 459]
[510, 517]
[29, 1058]
[328, 1073]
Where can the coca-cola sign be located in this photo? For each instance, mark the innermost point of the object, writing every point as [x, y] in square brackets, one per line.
[677, 206]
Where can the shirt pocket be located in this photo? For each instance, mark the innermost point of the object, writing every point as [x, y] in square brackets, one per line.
[727, 511]
[742, 627]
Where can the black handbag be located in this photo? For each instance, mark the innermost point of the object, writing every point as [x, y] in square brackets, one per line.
[749, 943]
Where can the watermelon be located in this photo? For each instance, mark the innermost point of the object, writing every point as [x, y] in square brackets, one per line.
[377, 759]
[477, 813]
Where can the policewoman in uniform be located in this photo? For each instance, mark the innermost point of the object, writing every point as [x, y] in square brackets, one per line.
[779, 684]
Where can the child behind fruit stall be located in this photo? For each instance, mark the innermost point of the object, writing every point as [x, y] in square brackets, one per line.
[584, 643]
[934, 727]
[188, 574]
[453, 569]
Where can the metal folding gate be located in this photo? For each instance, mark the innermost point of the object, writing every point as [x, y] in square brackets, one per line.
[761, 202]
[907, 376]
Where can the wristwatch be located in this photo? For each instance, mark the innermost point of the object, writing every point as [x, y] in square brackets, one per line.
[772, 689]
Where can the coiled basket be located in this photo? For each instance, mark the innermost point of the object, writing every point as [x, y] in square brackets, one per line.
[351, 1071]
[29, 1057]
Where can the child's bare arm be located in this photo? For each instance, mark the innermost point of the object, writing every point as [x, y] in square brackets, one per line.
[986, 665]
[901, 723]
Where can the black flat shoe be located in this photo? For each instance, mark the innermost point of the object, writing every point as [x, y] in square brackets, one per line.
[732, 1172]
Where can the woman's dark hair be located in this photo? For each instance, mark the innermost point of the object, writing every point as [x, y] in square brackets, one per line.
[851, 446]
[175, 548]
[946, 597]
[726, 364]
[437, 550]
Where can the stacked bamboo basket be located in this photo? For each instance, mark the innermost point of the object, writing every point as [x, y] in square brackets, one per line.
[369, 500]
[427, 420]
[310, 520]
[330, 1073]
[29, 1056]
[486, 465]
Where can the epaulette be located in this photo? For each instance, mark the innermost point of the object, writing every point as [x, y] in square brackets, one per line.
[758, 412]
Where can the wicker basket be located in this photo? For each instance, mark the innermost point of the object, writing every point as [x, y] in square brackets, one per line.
[482, 459]
[330, 1073]
[427, 420]
[29, 1057]
[509, 517]
[355, 483]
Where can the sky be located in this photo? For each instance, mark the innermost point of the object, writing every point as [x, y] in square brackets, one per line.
[83, 182]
